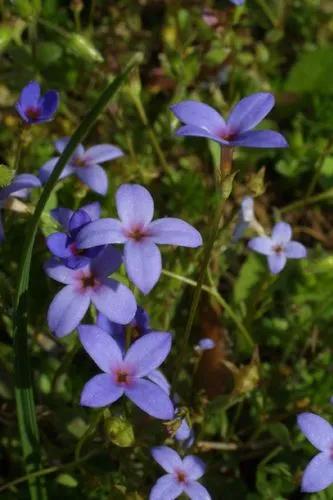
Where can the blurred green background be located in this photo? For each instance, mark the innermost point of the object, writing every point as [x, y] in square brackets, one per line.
[243, 405]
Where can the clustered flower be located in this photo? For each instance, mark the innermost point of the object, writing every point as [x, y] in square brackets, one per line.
[84, 257]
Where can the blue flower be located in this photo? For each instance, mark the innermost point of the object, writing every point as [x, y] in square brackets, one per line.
[34, 108]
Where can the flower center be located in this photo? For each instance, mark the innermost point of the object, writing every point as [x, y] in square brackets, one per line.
[122, 377]
[33, 112]
[89, 281]
[181, 476]
[278, 249]
[75, 250]
[79, 162]
[136, 233]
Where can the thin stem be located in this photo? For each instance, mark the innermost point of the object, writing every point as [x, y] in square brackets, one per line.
[326, 195]
[25, 406]
[18, 151]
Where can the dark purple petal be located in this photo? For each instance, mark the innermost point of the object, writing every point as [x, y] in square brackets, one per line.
[150, 398]
[158, 378]
[46, 170]
[318, 474]
[141, 321]
[29, 96]
[260, 139]
[93, 210]
[149, 352]
[194, 467]
[49, 103]
[79, 218]
[174, 232]
[58, 244]
[295, 250]
[194, 131]
[196, 491]
[250, 111]
[21, 181]
[107, 262]
[199, 114]
[166, 488]
[101, 232]
[281, 233]
[261, 244]
[60, 145]
[77, 261]
[62, 215]
[67, 310]
[94, 176]
[100, 391]
[167, 458]
[57, 271]
[2, 232]
[102, 153]
[318, 431]
[135, 205]
[116, 331]
[143, 264]
[114, 300]
[101, 347]
[276, 262]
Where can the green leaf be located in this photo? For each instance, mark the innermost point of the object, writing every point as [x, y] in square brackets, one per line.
[67, 480]
[250, 275]
[83, 48]
[312, 72]
[6, 175]
[48, 53]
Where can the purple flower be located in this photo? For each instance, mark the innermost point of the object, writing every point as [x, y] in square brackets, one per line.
[18, 188]
[201, 120]
[279, 247]
[63, 245]
[205, 345]
[124, 375]
[319, 472]
[185, 434]
[237, 2]
[85, 285]
[245, 218]
[34, 108]
[140, 234]
[181, 477]
[84, 164]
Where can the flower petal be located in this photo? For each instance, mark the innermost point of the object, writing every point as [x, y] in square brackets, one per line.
[57, 271]
[67, 310]
[107, 261]
[250, 111]
[93, 210]
[21, 181]
[30, 95]
[199, 114]
[135, 205]
[184, 431]
[261, 244]
[79, 218]
[49, 103]
[101, 232]
[158, 378]
[149, 352]
[150, 398]
[62, 215]
[295, 250]
[276, 262]
[194, 467]
[318, 431]
[318, 474]
[46, 170]
[143, 264]
[94, 176]
[102, 153]
[114, 300]
[116, 331]
[194, 131]
[196, 491]
[166, 488]
[100, 391]
[57, 243]
[2, 231]
[100, 346]
[174, 232]
[167, 458]
[60, 145]
[260, 139]
[281, 233]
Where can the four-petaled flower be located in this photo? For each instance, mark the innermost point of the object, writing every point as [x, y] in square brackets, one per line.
[18, 188]
[181, 477]
[201, 120]
[84, 164]
[124, 374]
[279, 247]
[85, 285]
[63, 245]
[34, 108]
[319, 472]
[140, 234]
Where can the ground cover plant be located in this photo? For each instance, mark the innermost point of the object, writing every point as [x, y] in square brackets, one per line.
[166, 186]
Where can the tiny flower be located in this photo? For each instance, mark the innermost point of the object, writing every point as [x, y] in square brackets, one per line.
[181, 477]
[205, 345]
[34, 108]
[85, 164]
[125, 374]
[318, 474]
[139, 234]
[185, 434]
[279, 247]
[201, 120]
[85, 285]
[237, 2]
[63, 245]
[18, 188]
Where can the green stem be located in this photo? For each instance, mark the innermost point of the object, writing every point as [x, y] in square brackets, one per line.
[26, 411]
[18, 151]
[326, 195]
